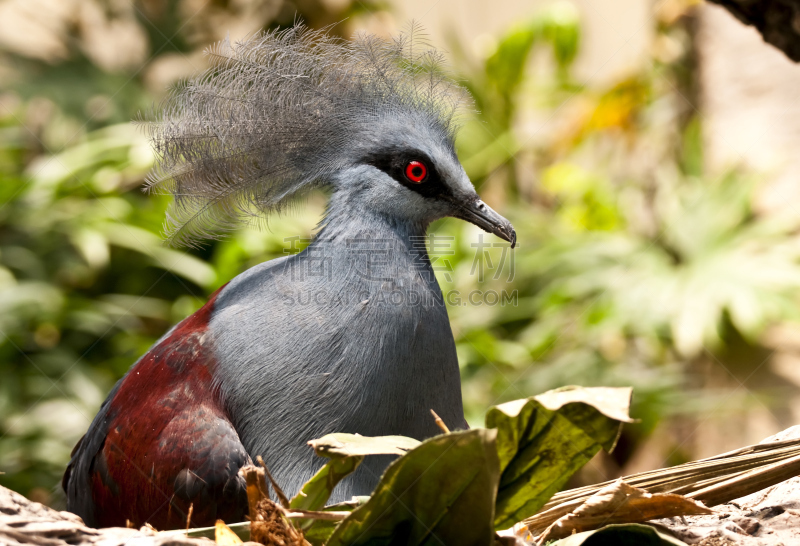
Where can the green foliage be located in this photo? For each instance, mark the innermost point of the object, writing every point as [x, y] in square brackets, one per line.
[633, 261]
[316, 491]
[709, 259]
[458, 487]
[489, 141]
[542, 441]
[504, 71]
[441, 492]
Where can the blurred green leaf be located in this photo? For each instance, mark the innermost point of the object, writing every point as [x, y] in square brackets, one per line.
[561, 27]
[505, 68]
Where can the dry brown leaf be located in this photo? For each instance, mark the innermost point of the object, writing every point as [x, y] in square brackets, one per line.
[224, 536]
[713, 481]
[341, 444]
[267, 522]
[621, 503]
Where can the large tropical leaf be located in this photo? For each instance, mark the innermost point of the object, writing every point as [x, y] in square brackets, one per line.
[543, 440]
[441, 492]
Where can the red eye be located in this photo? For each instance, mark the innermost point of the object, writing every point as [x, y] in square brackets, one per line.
[416, 171]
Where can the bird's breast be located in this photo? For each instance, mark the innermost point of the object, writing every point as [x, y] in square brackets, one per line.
[359, 355]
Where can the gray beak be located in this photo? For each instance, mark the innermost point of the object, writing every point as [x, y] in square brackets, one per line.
[483, 216]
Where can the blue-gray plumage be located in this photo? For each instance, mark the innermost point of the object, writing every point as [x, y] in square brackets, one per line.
[350, 335]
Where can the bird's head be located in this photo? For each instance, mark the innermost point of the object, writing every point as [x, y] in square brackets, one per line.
[407, 169]
[286, 111]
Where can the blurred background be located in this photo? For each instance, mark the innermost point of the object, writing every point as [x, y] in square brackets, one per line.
[645, 152]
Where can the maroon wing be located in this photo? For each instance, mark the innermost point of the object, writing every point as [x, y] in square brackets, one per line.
[161, 443]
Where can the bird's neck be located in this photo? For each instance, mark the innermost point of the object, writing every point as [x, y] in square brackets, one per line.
[366, 252]
[345, 226]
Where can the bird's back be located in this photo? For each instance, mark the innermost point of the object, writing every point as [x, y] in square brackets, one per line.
[161, 442]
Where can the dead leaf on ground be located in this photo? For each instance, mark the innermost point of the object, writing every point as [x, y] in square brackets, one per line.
[267, 523]
[621, 503]
[355, 445]
[224, 536]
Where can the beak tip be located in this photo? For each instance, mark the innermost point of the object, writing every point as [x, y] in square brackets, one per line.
[481, 215]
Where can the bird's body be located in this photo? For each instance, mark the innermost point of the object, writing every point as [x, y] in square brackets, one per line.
[343, 351]
[350, 335]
